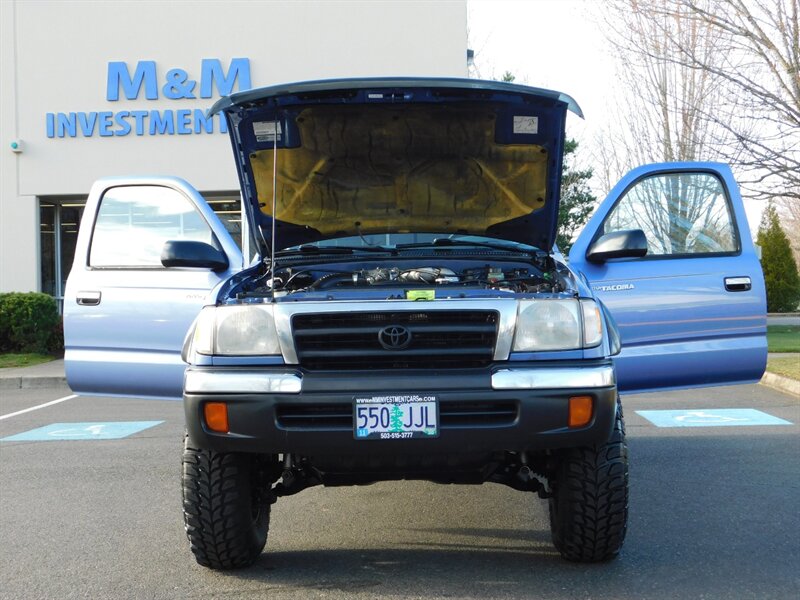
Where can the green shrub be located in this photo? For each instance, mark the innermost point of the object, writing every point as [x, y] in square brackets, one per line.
[29, 322]
[780, 270]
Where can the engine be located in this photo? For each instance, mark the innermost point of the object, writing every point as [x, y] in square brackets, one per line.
[516, 279]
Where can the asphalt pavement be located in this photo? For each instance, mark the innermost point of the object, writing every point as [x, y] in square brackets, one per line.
[713, 514]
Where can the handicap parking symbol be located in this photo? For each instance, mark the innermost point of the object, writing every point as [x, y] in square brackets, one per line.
[710, 417]
[82, 431]
[702, 417]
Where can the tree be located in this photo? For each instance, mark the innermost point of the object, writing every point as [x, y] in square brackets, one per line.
[737, 64]
[577, 200]
[760, 77]
[660, 114]
[780, 269]
[789, 212]
[396, 419]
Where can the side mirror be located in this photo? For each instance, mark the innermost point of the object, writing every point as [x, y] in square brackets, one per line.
[185, 253]
[618, 244]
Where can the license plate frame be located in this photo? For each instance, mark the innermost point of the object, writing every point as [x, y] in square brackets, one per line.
[381, 422]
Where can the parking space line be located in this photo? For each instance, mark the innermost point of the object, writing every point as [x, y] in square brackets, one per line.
[37, 407]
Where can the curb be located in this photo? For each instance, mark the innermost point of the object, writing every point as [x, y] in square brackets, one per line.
[781, 383]
[28, 383]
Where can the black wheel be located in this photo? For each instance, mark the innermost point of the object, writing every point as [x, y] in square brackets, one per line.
[589, 507]
[225, 511]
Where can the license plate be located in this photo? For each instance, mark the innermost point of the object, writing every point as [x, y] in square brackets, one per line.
[395, 417]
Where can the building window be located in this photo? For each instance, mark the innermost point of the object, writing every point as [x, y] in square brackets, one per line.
[47, 246]
[58, 231]
[69, 220]
[60, 217]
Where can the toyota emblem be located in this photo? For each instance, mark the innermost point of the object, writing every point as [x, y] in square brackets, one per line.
[394, 337]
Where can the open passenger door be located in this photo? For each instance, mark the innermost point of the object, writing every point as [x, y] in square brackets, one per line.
[692, 310]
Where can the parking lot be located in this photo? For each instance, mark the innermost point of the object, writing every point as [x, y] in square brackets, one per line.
[713, 514]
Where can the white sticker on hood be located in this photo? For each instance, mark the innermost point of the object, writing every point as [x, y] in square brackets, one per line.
[265, 131]
[529, 125]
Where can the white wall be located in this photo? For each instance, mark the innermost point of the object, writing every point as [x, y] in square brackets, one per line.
[54, 58]
[19, 240]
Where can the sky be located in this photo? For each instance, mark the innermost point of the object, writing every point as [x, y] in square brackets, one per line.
[560, 45]
[545, 43]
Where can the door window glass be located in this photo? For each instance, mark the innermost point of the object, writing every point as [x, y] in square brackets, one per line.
[229, 211]
[680, 213]
[133, 223]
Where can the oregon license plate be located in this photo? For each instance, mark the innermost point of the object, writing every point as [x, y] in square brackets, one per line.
[395, 417]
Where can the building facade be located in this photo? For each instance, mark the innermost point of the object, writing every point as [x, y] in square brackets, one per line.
[92, 89]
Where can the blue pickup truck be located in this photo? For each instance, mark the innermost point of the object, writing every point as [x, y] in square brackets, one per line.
[400, 309]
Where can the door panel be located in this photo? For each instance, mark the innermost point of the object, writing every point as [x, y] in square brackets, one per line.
[126, 316]
[692, 312]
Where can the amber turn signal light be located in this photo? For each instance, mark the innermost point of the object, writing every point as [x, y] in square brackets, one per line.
[580, 411]
[216, 414]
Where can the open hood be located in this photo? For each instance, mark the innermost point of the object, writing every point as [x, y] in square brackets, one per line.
[368, 156]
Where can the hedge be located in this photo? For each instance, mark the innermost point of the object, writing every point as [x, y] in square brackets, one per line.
[29, 322]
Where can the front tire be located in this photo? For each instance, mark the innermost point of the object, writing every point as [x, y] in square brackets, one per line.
[225, 513]
[589, 507]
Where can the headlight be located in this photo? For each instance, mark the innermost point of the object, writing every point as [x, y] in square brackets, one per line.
[247, 330]
[547, 325]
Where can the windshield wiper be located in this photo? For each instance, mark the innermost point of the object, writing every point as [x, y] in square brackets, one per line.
[448, 242]
[312, 249]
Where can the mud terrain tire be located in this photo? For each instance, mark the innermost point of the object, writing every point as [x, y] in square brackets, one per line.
[225, 514]
[589, 508]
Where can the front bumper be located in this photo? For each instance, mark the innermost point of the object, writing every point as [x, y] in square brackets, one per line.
[482, 411]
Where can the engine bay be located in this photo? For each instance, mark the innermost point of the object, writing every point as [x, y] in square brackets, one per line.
[516, 279]
[457, 276]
